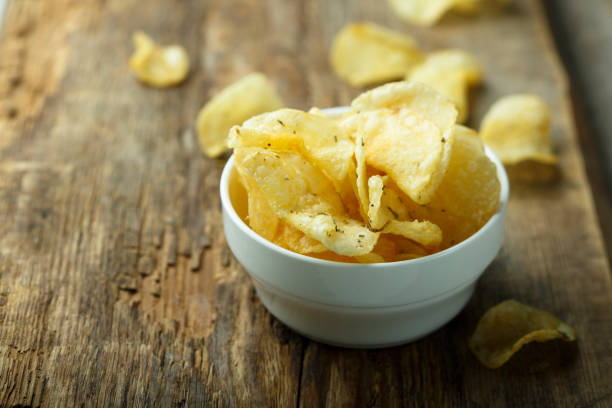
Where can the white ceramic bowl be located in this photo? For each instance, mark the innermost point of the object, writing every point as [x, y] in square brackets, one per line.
[362, 305]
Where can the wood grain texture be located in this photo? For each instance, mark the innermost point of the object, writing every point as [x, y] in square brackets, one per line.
[116, 285]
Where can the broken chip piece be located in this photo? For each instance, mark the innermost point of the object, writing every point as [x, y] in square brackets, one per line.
[516, 127]
[366, 53]
[508, 326]
[250, 96]
[158, 66]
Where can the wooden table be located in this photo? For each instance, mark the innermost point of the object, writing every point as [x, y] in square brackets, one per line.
[116, 285]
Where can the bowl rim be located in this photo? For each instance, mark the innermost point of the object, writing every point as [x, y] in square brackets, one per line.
[336, 111]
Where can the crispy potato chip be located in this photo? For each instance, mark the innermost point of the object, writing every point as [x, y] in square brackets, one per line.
[428, 12]
[372, 257]
[365, 53]
[362, 177]
[385, 203]
[506, 327]
[262, 219]
[412, 95]
[420, 153]
[424, 232]
[450, 72]
[421, 12]
[157, 66]
[516, 127]
[295, 240]
[387, 212]
[252, 95]
[317, 137]
[302, 196]
[468, 195]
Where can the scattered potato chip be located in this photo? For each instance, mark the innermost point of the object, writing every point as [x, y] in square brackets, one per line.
[516, 127]
[404, 144]
[303, 197]
[421, 12]
[428, 12]
[157, 66]
[450, 72]
[506, 327]
[365, 53]
[251, 95]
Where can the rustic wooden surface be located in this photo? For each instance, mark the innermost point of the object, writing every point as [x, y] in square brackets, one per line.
[116, 285]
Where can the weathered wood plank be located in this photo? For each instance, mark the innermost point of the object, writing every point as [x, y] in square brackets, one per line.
[116, 285]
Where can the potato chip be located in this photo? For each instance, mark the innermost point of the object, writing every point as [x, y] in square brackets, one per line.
[428, 12]
[372, 257]
[385, 203]
[302, 196]
[362, 177]
[424, 232]
[516, 127]
[450, 72]
[401, 141]
[412, 95]
[506, 327]
[262, 219]
[317, 137]
[468, 195]
[421, 12]
[252, 95]
[157, 66]
[365, 53]
[295, 240]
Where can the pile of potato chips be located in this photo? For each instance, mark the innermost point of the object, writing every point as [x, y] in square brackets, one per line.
[393, 179]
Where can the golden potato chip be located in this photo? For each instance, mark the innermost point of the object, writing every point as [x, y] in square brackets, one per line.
[421, 12]
[251, 95]
[468, 195]
[411, 149]
[317, 137]
[362, 177]
[506, 327]
[428, 12]
[450, 72]
[516, 127]
[370, 258]
[365, 53]
[295, 240]
[411, 95]
[424, 232]
[158, 66]
[262, 219]
[302, 196]
[385, 203]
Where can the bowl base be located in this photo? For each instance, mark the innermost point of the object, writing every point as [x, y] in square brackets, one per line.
[363, 328]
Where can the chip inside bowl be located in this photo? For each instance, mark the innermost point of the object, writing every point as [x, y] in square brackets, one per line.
[508, 326]
[394, 180]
